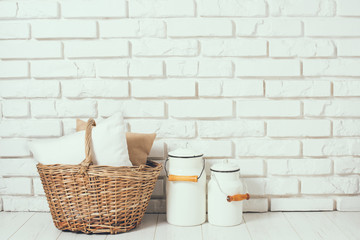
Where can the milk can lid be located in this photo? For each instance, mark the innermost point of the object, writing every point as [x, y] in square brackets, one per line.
[225, 167]
[184, 153]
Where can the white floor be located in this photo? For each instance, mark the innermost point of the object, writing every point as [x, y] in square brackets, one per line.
[267, 226]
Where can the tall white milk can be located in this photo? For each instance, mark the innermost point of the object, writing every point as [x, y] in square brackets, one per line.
[185, 188]
[226, 193]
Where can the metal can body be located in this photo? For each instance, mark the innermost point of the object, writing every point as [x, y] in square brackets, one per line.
[186, 191]
[220, 211]
[225, 195]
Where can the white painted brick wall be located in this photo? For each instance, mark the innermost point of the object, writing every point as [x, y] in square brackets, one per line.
[271, 85]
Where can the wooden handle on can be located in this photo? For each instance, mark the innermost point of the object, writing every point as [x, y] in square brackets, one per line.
[238, 197]
[183, 178]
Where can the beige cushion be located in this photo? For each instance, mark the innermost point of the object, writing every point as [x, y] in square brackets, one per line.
[138, 144]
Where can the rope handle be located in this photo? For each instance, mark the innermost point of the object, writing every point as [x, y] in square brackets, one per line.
[84, 165]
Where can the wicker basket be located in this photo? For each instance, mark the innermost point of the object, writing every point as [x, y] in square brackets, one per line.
[97, 199]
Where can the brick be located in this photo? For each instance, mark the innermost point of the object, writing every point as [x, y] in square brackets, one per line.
[225, 129]
[29, 89]
[333, 67]
[330, 185]
[267, 67]
[336, 108]
[158, 189]
[266, 108]
[282, 186]
[164, 47]
[331, 147]
[62, 69]
[200, 108]
[95, 88]
[162, 88]
[302, 8]
[143, 109]
[158, 152]
[182, 68]
[14, 69]
[251, 167]
[215, 68]
[93, 8]
[156, 206]
[37, 9]
[255, 186]
[298, 128]
[25, 204]
[159, 8]
[267, 148]
[210, 148]
[38, 188]
[232, 8]
[97, 49]
[347, 165]
[248, 167]
[348, 8]
[14, 30]
[268, 27]
[76, 108]
[132, 28]
[297, 88]
[199, 28]
[256, 205]
[347, 88]
[49, 29]
[15, 108]
[16, 185]
[335, 27]
[299, 166]
[242, 88]
[348, 47]
[112, 68]
[29, 49]
[348, 204]
[14, 148]
[43, 108]
[18, 167]
[210, 88]
[234, 48]
[165, 128]
[69, 126]
[30, 128]
[146, 68]
[346, 127]
[302, 204]
[301, 48]
[7, 9]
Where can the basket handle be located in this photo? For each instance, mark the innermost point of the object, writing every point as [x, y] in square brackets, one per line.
[84, 165]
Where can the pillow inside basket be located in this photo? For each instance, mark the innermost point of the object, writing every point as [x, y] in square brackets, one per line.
[138, 144]
[108, 142]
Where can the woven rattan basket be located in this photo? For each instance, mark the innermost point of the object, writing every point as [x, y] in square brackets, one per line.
[97, 199]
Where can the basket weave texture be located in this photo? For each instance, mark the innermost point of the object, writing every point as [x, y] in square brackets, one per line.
[97, 199]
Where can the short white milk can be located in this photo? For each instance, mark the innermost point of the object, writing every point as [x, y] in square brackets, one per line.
[185, 188]
[225, 194]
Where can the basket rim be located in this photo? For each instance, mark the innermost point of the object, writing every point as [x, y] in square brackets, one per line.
[151, 167]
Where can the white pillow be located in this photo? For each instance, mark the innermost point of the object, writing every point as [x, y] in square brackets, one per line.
[108, 142]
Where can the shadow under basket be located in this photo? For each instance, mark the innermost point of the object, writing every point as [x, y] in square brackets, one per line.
[98, 199]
